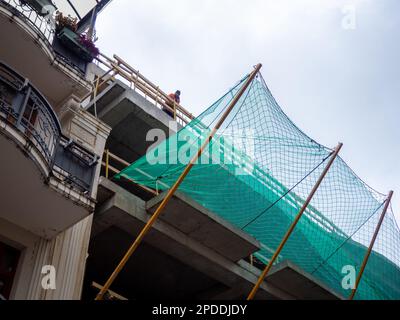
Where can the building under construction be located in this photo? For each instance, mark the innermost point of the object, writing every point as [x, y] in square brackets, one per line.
[125, 201]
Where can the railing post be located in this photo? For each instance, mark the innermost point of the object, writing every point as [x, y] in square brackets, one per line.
[145, 87]
[367, 255]
[131, 82]
[95, 96]
[107, 162]
[294, 223]
[22, 106]
[57, 144]
[157, 94]
[137, 79]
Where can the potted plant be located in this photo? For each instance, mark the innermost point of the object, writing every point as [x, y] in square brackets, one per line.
[88, 43]
[42, 7]
[65, 22]
[80, 44]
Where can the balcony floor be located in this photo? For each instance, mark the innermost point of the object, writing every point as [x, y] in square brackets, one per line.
[26, 200]
[57, 81]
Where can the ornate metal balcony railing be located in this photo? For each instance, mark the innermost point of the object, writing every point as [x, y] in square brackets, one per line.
[43, 25]
[22, 106]
[27, 111]
[76, 164]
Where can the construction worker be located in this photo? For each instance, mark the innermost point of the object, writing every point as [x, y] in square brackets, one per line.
[174, 98]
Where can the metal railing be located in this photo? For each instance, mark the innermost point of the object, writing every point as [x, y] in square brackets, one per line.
[117, 67]
[23, 108]
[110, 171]
[44, 26]
[76, 164]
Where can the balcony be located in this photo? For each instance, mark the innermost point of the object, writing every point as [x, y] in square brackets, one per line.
[47, 179]
[55, 71]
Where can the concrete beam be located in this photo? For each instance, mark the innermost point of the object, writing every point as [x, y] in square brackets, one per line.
[299, 283]
[128, 213]
[204, 226]
[131, 117]
[115, 103]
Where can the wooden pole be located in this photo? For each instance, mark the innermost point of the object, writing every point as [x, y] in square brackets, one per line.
[367, 255]
[294, 223]
[111, 293]
[107, 162]
[170, 193]
[94, 97]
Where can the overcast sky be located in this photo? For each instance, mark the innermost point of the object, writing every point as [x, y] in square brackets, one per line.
[336, 77]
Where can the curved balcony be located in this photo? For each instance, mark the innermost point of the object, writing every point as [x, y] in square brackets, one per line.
[38, 163]
[54, 72]
[34, 14]
[26, 110]
[44, 28]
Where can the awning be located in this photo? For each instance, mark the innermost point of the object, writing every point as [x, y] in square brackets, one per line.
[79, 8]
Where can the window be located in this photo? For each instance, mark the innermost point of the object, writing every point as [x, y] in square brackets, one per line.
[9, 258]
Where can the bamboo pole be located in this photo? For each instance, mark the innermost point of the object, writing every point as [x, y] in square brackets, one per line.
[148, 93]
[110, 155]
[170, 193]
[174, 110]
[367, 255]
[94, 96]
[111, 293]
[117, 171]
[142, 83]
[107, 162]
[294, 223]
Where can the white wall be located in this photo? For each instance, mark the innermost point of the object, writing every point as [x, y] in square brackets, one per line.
[67, 252]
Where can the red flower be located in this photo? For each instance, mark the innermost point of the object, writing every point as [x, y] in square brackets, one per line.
[88, 44]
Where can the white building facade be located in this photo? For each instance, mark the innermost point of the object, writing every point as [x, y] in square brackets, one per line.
[50, 155]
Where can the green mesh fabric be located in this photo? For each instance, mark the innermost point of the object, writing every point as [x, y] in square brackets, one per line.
[257, 172]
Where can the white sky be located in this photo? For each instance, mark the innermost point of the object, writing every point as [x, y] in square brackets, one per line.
[83, 7]
[336, 84]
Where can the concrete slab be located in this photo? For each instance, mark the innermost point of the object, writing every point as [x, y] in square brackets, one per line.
[131, 117]
[107, 96]
[300, 284]
[22, 203]
[127, 212]
[151, 273]
[206, 227]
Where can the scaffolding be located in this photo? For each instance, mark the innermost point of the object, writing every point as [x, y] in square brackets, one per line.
[247, 162]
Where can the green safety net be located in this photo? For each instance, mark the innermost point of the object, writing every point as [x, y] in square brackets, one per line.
[256, 174]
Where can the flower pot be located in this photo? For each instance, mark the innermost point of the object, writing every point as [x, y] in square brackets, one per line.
[70, 40]
[42, 7]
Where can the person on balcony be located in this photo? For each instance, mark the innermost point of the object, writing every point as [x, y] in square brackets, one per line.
[174, 98]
